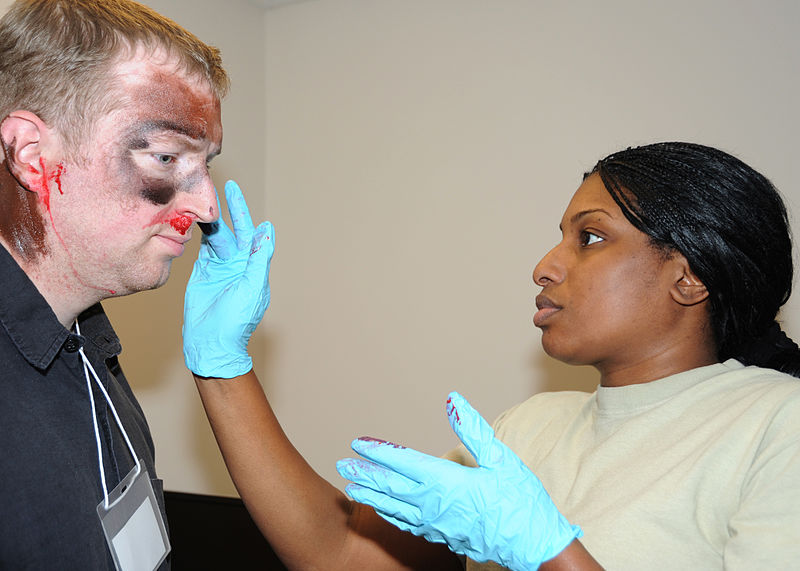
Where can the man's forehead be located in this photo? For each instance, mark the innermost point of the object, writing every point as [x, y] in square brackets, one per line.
[142, 67]
[153, 91]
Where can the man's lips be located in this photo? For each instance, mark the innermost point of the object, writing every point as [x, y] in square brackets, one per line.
[546, 307]
[175, 242]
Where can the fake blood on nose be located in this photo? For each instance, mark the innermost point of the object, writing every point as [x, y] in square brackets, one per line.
[181, 223]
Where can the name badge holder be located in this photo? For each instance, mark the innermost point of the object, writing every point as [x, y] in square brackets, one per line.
[130, 516]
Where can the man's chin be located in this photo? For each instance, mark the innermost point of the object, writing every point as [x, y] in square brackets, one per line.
[145, 283]
[162, 279]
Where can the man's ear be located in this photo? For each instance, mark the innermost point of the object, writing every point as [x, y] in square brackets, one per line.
[687, 288]
[24, 136]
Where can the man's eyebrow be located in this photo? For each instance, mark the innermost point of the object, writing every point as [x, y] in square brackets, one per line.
[578, 215]
[193, 132]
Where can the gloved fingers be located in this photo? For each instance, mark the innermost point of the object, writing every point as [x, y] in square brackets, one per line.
[263, 242]
[473, 431]
[371, 475]
[219, 242]
[415, 465]
[257, 268]
[384, 504]
[240, 215]
[419, 530]
[255, 280]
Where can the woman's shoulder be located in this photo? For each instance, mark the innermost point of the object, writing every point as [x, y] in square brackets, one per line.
[543, 410]
[759, 382]
[760, 398]
[550, 401]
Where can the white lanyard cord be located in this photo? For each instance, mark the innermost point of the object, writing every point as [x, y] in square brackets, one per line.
[87, 367]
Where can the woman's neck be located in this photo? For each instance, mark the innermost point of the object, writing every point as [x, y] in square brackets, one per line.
[663, 363]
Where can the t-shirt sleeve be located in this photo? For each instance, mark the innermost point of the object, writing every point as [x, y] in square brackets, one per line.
[765, 530]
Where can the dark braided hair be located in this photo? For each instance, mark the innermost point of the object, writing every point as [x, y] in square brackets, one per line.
[731, 225]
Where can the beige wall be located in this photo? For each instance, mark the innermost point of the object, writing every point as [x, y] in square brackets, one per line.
[415, 157]
[419, 157]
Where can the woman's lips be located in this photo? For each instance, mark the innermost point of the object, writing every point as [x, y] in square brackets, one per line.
[546, 308]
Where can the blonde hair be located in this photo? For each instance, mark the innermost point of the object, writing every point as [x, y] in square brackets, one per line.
[57, 57]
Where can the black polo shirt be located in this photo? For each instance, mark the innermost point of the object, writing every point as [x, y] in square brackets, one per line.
[49, 477]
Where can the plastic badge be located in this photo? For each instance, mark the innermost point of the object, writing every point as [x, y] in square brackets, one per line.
[132, 523]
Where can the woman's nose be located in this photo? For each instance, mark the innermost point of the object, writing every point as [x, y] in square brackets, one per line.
[549, 269]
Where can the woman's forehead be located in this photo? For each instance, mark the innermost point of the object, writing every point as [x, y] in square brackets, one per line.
[591, 195]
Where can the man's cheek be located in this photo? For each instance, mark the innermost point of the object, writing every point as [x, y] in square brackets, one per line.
[158, 192]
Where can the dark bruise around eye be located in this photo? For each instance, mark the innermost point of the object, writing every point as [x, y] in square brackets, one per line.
[158, 192]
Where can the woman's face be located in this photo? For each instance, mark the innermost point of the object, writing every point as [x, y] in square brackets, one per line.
[605, 297]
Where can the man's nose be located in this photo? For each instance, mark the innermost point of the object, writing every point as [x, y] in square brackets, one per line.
[200, 201]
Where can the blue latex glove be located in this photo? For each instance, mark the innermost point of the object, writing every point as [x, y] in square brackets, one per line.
[498, 511]
[228, 292]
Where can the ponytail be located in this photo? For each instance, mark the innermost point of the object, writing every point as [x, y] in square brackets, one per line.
[774, 350]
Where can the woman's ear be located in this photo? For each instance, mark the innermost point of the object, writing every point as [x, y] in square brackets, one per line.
[23, 134]
[687, 288]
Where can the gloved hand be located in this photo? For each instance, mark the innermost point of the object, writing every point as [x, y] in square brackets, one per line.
[498, 511]
[228, 292]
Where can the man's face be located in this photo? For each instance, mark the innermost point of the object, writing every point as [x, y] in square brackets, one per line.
[121, 214]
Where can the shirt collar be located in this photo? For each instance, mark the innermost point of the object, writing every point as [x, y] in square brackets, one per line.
[26, 316]
[96, 328]
[33, 326]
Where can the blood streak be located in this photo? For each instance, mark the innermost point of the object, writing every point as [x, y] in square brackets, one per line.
[42, 185]
[180, 222]
[42, 189]
[451, 410]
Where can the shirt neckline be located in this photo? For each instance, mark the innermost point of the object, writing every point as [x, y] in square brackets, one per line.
[616, 400]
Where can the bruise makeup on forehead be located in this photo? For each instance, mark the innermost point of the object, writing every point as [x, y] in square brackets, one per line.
[171, 103]
[22, 224]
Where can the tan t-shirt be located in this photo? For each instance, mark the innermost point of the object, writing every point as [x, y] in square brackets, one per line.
[700, 470]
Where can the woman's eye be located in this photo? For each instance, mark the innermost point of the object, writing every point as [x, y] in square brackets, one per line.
[164, 160]
[589, 238]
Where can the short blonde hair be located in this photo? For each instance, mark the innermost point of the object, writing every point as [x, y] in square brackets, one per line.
[57, 57]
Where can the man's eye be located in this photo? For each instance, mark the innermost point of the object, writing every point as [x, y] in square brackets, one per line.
[589, 238]
[164, 159]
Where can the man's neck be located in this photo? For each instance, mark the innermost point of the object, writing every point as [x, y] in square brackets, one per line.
[54, 282]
